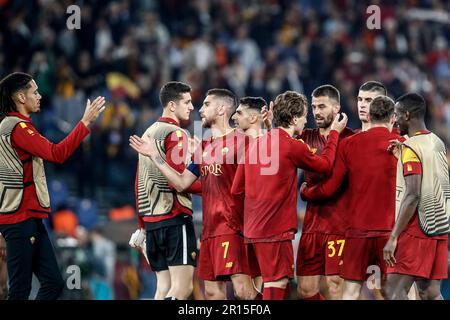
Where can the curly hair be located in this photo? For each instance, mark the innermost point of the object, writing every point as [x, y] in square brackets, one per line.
[288, 105]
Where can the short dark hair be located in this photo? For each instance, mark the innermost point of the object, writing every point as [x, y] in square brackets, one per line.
[288, 105]
[381, 109]
[227, 95]
[374, 86]
[9, 85]
[255, 103]
[327, 90]
[173, 91]
[414, 103]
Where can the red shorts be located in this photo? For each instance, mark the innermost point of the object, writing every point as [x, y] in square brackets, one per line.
[275, 259]
[319, 254]
[222, 256]
[421, 257]
[360, 254]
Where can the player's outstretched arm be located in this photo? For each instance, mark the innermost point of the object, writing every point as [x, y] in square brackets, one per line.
[327, 188]
[26, 136]
[180, 181]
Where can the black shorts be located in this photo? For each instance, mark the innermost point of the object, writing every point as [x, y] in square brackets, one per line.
[174, 245]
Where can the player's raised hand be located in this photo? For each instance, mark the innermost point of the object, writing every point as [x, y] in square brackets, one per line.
[146, 148]
[395, 147]
[389, 250]
[93, 110]
[267, 115]
[339, 125]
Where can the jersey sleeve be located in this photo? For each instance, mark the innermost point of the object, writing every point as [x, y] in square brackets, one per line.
[195, 188]
[238, 186]
[328, 187]
[303, 157]
[26, 137]
[411, 162]
[176, 145]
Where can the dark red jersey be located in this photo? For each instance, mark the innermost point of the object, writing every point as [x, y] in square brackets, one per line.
[371, 172]
[323, 216]
[215, 164]
[268, 178]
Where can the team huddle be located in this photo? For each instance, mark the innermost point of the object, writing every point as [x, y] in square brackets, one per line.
[376, 196]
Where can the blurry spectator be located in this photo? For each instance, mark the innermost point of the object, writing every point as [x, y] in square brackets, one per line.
[127, 49]
[126, 279]
[87, 213]
[58, 192]
[104, 252]
[125, 212]
[65, 222]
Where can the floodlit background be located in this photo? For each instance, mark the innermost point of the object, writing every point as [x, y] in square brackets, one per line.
[126, 50]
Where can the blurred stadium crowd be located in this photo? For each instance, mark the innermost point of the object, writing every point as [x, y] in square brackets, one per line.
[126, 50]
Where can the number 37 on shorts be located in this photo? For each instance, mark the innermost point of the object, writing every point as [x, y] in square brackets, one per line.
[335, 247]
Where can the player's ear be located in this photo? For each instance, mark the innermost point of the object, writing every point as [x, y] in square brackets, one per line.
[407, 116]
[393, 119]
[221, 110]
[20, 96]
[254, 117]
[171, 105]
[336, 108]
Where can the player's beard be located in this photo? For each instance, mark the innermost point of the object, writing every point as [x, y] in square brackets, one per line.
[326, 122]
[206, 123]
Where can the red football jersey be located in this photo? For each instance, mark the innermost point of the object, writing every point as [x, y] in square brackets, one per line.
[324, 216]
[371, 172]
[269, 181]
[218, 158]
